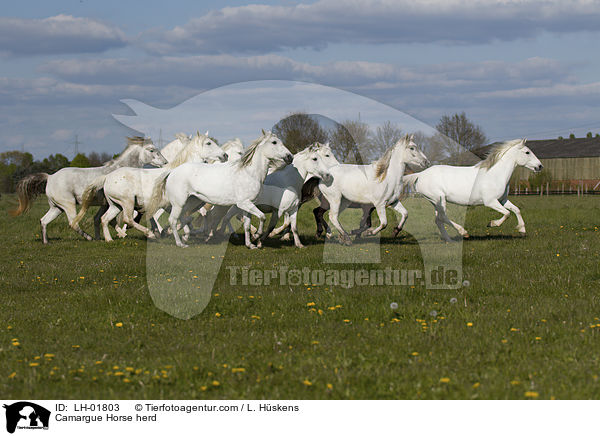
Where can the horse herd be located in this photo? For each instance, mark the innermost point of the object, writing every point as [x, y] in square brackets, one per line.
[193, 174]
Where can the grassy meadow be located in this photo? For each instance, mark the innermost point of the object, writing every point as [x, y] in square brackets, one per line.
[77, 319]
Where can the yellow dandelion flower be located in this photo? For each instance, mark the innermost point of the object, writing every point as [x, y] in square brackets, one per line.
[531, 394]
[504, 341]
[315, 342]
[415, 353]
[75, 346]
[255, 317]
[515, 382]
[119, 324]
[16, 343]
[215, 383]
[445, 380]
[119, 373]
[469, 324]
[203, 388]
[12, 375]
[306, 382]
[49, 355]
[218, 315]
[346, 320]
[234, 370]
[129, 368]
[312, 303]
[34, 364]
[538, 338]
[476, 385]
[329, 386]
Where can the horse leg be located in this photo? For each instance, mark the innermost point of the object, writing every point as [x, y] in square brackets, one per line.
[294, 227]
[101, 211]
[398, 207]
[128, 218]
[173, 219]
[50, 216]
[71, 211]
[381, 213]
[278, 230]
[520, 223]
[365, 221]
[336, 208]
[111, 213]
[250, 208]
[272, 223]
[441, 218]
[497, 206]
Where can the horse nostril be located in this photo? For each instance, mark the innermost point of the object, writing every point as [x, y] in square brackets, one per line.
[225, 157]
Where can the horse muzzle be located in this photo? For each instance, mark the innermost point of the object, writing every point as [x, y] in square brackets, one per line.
[327, 178]
[224, 157]
[288, 158]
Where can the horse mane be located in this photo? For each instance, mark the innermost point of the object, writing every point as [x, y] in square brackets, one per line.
[383, 163]
[138, 140]
[248, 155]
[496, 153]
[182, 137]
[132, 143]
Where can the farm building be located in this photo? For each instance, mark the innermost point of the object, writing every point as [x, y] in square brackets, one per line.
[569, 164]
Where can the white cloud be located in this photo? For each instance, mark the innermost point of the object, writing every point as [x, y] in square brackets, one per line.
[266, 28]
[60, 34]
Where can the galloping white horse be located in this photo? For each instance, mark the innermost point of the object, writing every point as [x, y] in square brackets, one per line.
[65, 187]
[282, 190]
[378, 184]
[222, 184]
[128, 188]
[483, 183]
[234, 149]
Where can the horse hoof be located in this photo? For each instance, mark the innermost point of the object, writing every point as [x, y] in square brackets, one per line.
[523, 234]
[329, 235]
[251, 246]
[151, 236]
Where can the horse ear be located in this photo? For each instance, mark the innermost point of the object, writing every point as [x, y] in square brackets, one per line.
[206, 134]
[412, 137]
[197, 132]
[327, 144]
[263, 132]
[524, 141]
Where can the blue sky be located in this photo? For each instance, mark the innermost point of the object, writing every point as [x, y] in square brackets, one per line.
[517, 68]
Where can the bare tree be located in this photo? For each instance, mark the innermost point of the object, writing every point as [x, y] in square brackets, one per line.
[461, 130]
[384, 137]
[299, 130]
[350, 142]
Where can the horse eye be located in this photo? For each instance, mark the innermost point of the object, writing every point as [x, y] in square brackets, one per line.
[315, 159]
[208, 143]
[326, 155]
[412, 148]
[526, 152]
[274, 142]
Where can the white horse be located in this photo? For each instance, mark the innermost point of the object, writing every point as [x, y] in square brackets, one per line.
[128, 189]
[65, 187]
[222, 184]
[234, 149]
[486, 182]
[378, 184]
[282, 190]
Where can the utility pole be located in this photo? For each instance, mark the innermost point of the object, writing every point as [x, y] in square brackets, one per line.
[76, 144]
[160, 139]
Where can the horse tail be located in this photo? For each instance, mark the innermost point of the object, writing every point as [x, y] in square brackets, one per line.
[27, 189]
[157, 198]
[310, 189]
[411, 180]
[88, 196]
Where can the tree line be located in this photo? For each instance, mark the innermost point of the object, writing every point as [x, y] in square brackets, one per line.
[354, 141]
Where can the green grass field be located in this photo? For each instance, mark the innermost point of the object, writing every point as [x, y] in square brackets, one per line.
[77, 320]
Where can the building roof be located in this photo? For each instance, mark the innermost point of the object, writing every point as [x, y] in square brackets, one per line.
[556, 148]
